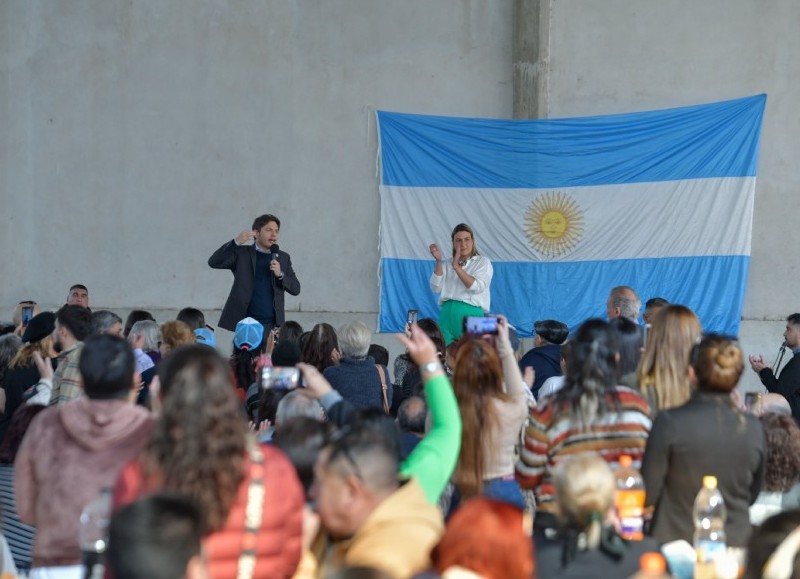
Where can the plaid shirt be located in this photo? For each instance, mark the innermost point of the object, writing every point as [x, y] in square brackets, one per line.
[67, 377]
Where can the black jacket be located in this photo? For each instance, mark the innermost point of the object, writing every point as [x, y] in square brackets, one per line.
[705, 436]
[787, 385]
[241, 260]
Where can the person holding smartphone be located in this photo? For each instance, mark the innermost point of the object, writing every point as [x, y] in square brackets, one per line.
[462, 282]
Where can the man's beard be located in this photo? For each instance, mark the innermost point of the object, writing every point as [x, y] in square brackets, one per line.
[57, 346]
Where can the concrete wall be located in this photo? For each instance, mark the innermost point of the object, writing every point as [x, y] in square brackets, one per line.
[139, 136]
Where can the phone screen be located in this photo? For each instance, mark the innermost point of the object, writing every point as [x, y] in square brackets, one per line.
[413, 315]
[27, 314]
[480, 325]
[280, 378]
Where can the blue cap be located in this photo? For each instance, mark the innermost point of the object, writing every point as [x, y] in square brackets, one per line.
[248, 334]
[205, 336]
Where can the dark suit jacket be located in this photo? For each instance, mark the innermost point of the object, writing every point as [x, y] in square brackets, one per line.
[787, 385]
[705, 436]
[241, 260]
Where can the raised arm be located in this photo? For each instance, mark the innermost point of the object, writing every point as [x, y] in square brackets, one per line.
[512, 377]
[437, 277]
[433, 460]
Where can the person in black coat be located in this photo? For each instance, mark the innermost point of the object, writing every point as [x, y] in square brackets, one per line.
[22, 372]
[788, 383]
[261, 275]
[706, 436]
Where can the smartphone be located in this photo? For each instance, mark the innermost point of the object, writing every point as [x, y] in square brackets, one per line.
[280, 378]
[27, 314]
[480, 325]
[411, 318]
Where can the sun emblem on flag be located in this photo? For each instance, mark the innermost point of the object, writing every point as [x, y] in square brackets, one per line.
[553, 224]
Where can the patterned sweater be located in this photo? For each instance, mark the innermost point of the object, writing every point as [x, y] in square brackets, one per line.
[552, 437]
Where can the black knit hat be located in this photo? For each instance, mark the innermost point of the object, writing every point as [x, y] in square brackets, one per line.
[551, 331]
[39, 327]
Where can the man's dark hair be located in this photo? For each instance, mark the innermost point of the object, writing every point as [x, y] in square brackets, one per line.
[262, 220]
[290, 331]
[106, 366]
[302, 438]
[379, 354]
[656, 303]
[136, 316]
[630, 344]
[192, 317]
[103, 321]
[79, 286]
[412, 414]
[76, 319]
[365, 451]
[794, 319]
[154, 537]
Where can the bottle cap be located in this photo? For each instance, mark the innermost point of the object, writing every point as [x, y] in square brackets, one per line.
[625, 461]
[710, 482]
[653, 564]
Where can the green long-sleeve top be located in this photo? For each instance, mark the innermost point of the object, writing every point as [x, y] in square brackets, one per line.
[434, 459]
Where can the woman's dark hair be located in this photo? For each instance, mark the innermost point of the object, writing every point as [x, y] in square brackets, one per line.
[592, 371]
[290, 331]
[266, 406]
[16, 431]
[631, 342]
[320, 345]
[766, 539]
[243, 366]
[192, 317]
[301, 439]
[783, 452]
[198, 444]
[434, 332]
[136, 316]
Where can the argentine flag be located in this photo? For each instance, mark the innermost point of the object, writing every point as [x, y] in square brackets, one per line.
[566, 209]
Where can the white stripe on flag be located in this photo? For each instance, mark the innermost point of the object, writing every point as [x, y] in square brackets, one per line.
[699, 217]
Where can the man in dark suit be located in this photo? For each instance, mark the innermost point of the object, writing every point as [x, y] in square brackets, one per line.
[261, 273]
[788, 384]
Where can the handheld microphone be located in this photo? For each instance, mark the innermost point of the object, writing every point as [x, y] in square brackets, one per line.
[274, 249]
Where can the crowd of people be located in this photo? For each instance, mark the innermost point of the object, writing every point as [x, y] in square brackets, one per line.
[307, 453]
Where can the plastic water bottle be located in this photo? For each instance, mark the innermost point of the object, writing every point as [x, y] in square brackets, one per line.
[629, 500]
[709, 528]
[94, 534]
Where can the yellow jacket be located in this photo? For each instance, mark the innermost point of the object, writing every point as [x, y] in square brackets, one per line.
[396, 538]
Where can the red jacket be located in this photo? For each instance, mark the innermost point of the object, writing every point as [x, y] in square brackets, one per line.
[279, 540]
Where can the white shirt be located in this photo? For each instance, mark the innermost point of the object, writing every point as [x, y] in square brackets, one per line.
[450, 286]
[550, 387]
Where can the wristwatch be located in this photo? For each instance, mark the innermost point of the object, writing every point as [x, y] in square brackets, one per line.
[431, 367]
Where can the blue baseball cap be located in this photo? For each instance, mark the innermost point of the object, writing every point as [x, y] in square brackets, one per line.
[205, 336]
[248, 334]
